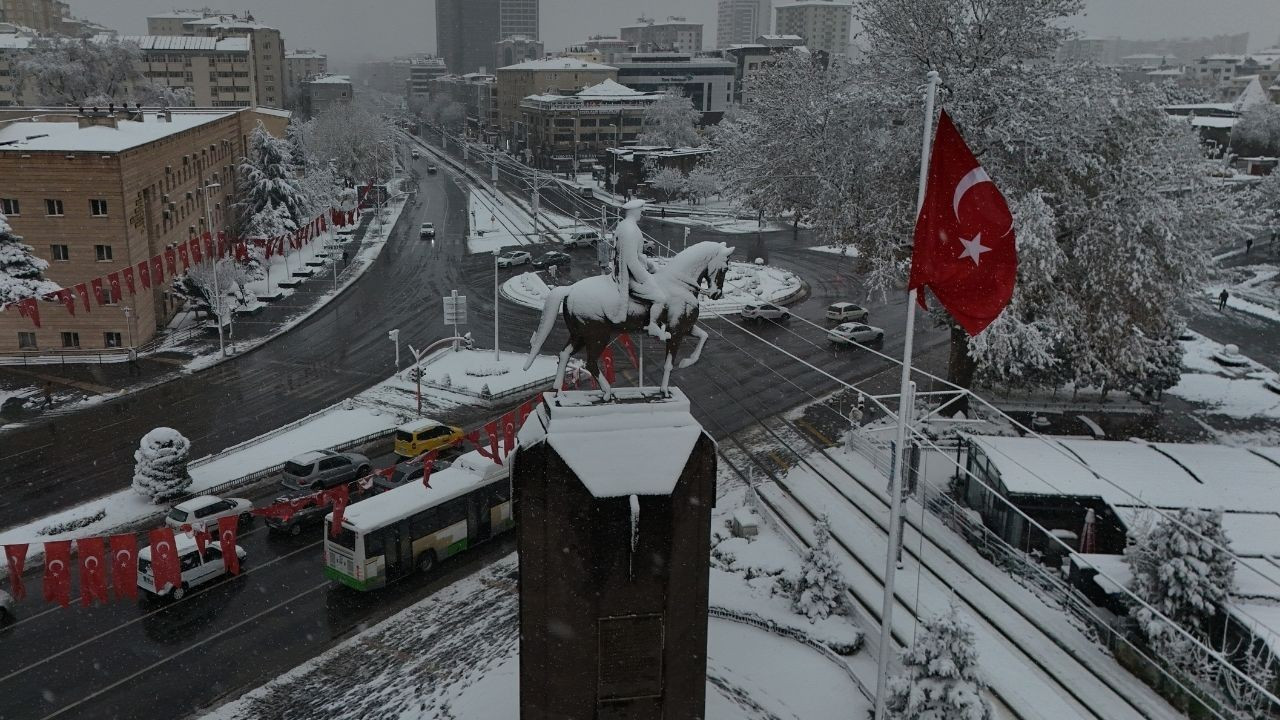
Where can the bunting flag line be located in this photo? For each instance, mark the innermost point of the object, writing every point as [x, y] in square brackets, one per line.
[29, 308]
[339, 496]
[184, 255]
[428, 464]
[93, 575]
[16, 557]
[171, 262]
[124, 565]
[113, 280]
[98, 294]
[197, 256]
[68, 299]
[144, 274]
[128, 280]
[509, 431]
[57, 572]
[491, 429]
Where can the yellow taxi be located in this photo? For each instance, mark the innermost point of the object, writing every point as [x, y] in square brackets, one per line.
[419, 436]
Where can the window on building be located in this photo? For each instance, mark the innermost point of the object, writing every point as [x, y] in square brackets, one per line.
[59, 252]
[112, 340]
[26, 341]
[70, 340]
[9, 206]
[103, 252]
[98, 208]
[52, 207]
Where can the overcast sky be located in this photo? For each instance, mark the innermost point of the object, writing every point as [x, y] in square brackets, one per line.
[349, 30]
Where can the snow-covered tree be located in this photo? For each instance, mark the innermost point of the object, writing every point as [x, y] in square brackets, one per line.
[21, 272]
[223, 296]
[819, 591]
[1180, 568]
[940, 677]
[1257, 132]
[271, 199]
[61, 71]
[671, 121]
[702, 183]
[348, 138]
[160, 465]
[668, 180]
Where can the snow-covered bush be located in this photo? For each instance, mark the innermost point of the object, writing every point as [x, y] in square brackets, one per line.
[21, 272]
[939, 679]
[74, 524]
[819, 591]
[485, 391]
[1180, 567]
[446, 380]
[160, 465]
[1257, 132]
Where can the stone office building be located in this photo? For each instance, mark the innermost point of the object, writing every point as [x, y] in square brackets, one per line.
[101, 192]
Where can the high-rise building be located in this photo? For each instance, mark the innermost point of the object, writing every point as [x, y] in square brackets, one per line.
[468, 30]
[265, 43]
[740, 22]
[674, 34]
[825, 25]
[302, 65]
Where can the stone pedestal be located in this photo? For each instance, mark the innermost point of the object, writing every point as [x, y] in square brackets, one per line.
[613, 513]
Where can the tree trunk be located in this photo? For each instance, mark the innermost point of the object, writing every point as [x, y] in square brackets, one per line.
[960, 368]
[795, 228]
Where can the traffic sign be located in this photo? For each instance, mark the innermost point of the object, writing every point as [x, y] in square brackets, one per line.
[455, 310]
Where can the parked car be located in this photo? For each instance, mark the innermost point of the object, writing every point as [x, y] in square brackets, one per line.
[581, 238]
[431, 169]
[419, 436]
[554, 257]
[415, 154]
[514, 257]
[846, 311]
[850, 333]
[764, 311]
[208, 509]
[197, 568]
[405, 472]
[427, 230]
[6, 607]
[310, 473]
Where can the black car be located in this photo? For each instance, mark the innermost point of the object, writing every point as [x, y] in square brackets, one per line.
[406, 472]
[546, 260]
[431, 169]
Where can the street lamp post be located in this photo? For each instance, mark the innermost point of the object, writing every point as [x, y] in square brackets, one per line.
[394, 336]
[206, 186]
[497, 353]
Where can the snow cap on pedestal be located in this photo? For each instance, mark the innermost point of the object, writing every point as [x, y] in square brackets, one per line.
[637, 445]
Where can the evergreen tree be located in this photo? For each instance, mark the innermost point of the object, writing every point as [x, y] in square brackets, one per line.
[1180, 567]
[272, 200]
[21, 272]
[819, 591]
[160, 465]
[940, 679]
[672, 121]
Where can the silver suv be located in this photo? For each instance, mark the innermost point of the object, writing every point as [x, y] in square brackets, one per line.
[764, 311]
[310, 473]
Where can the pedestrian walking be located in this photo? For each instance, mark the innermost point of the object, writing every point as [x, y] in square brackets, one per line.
[345, 256]
[1248, 245]
[48, 394]
[1274, 235]
[1222, 299]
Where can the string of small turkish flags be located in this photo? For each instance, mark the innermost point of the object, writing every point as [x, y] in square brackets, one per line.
[109, 289]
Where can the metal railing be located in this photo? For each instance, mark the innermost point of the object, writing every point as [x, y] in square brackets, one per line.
[65, 357]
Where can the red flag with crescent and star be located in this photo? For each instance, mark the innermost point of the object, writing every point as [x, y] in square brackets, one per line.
[606, 365]
[964, 242]
[227, 527]
[16, 557]
[93, 573]
[492, 429]
[509, 427]
[124, 565]
[339, 497]
[164, 560]
[629, 347]
[57, 572]
[128, 280]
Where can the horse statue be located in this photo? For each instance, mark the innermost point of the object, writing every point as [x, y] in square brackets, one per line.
[588, 303]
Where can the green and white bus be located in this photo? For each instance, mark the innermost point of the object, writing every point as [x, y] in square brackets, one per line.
[411, 528]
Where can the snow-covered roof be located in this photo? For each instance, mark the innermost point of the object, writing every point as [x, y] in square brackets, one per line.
[610, 89]
[181, 43]
[814, 3]
[637, 445]
[230, 23]
[12, 41]
[305, 55]
[68, 136]
[1213, 122]
[274, 112]
[331, 80]
[782, 37]
[558, 64]
[1171, 72]
[467, 473]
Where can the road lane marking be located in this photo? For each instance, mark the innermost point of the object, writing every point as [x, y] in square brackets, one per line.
[144, 616]
[183, 651]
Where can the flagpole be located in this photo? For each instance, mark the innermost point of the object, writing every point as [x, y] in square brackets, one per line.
[904, 409]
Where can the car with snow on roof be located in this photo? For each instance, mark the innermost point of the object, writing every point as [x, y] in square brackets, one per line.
[206, 510]
[854, 334]
[197, 568]
[420, 436]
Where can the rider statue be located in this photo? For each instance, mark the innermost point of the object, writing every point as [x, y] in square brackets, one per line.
[633, 271]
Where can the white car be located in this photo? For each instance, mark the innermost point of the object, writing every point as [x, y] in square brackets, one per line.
[581, 238]
[197, 568]
[207, 509]
[850, 333]
[514, 257]
[764, 311]
[427, 230]
[846, 311]
[6, 606]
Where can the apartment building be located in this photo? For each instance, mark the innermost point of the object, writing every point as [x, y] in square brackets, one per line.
[302, 65]
[825, 25]
[48, 17]
[474, 92]
[326, 91]
[218, 71]
[265, 43]
[105, 192]
[673, 34]
[13, 45]
[742, 21]
[549, 75]
[422, 71]
[562, 129]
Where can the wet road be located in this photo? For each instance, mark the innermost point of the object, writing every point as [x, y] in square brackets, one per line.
[110, 662]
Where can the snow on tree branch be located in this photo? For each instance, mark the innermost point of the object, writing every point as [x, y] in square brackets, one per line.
[21, 272]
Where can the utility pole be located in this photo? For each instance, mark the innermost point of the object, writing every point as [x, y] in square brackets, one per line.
[205, 186]
[497, 352]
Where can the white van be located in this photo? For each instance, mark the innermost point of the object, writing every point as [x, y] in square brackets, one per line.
[196, 569]
[581, 238]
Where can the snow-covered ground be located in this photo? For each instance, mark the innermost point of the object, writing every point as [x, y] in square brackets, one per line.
[1234, 391]
[496, 222]
[744, 283]
[728, 225]
[847, 250]
[455, 655]
[456, 378]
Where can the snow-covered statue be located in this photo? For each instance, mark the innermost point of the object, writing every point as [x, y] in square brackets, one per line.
[597, 308]
[634, 272]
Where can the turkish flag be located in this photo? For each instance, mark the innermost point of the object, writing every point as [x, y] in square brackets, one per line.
[124, 565]
[196, 255]
[164, 559]
[113, 279]
[630, 348]
[185, 256]
[223, 246]
[241, 252]
[83, 291]
[68, 299]
[339, 496]
[157, 271]
[526, 409]
[128, 280]
[98, 292]
[57, 572]
[509, 431]
[491, 429]
[606, 365]
[964, 244]
[30, 308]
[171, 262]
[208, 247]
[351, 217]
[93, 572]
[16, 556]
[227, 527]
[428, 462]
[201, 534]
[270, 248]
